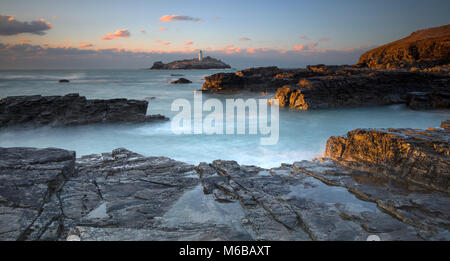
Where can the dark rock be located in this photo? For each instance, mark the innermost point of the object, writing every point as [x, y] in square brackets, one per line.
[125, 196]
[181, 81]
[418, 156]
[424, 48]
[30, 183]
[428, 100]
[64, 81]
[206, 63]
[70, 109]
[176, 74]
[365, 89]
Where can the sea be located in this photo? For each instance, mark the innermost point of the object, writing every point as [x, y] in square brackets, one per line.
[302, 134]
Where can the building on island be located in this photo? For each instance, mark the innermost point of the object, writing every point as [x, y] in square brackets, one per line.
[200, 55]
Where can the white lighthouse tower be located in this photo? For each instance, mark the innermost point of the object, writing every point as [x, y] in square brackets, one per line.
[200, 55]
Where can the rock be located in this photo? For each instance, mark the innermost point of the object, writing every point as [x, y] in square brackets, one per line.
[422, 49]
[70, 109]
[181, 81]
[206, 63]
[418, 156]
[47, 195]
[364, 89]
[428, 100]
[445, 124]
[176, 74]
[30, 183]
[64, 81]
[125, 196]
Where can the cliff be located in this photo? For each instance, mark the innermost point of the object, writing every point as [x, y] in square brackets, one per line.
[206, 63]
[424, 48]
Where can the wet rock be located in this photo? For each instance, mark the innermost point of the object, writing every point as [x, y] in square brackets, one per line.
[64, 81]
[289, 203]
[419, 156]
[446, 125]
[70, 109]
[181, 81]
[30, 183]
[428, 100]
[412, 205]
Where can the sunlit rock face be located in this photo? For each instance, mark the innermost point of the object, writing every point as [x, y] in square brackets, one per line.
[70, 109]
[424, 48]
[205, 63]
[419, 156]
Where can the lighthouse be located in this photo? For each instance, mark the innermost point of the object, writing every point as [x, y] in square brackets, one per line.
[200, 56]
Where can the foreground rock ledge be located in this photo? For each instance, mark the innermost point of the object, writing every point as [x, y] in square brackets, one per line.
[71, 109]
[47, 194]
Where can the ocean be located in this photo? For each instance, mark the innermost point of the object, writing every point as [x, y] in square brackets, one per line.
[302, 134]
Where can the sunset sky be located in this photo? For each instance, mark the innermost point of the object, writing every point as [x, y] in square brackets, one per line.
[133, 34]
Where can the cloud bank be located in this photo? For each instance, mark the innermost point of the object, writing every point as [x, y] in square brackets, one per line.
[28, 56]
[10, 26]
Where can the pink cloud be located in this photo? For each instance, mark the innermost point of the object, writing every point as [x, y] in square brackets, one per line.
[326, 39]
[117, 34]
[189, 43]
[162, 29]
[85, 45]
[251, 50]
[143, 31]
[178, 18]
[299, 47]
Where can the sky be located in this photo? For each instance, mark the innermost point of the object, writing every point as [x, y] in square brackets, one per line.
[50, 34]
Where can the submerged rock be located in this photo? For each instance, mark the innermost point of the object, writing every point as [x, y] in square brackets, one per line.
[64, 81]
[70, 109]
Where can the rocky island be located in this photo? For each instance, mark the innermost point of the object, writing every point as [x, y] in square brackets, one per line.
[196, 63]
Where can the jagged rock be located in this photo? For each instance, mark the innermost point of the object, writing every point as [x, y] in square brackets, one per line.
[30, 183]
[181, 81]
[205, 63]
[428, 100]
[64, 81]
[419, 156]
[367, 89]
[424, 48]
[70, 109]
